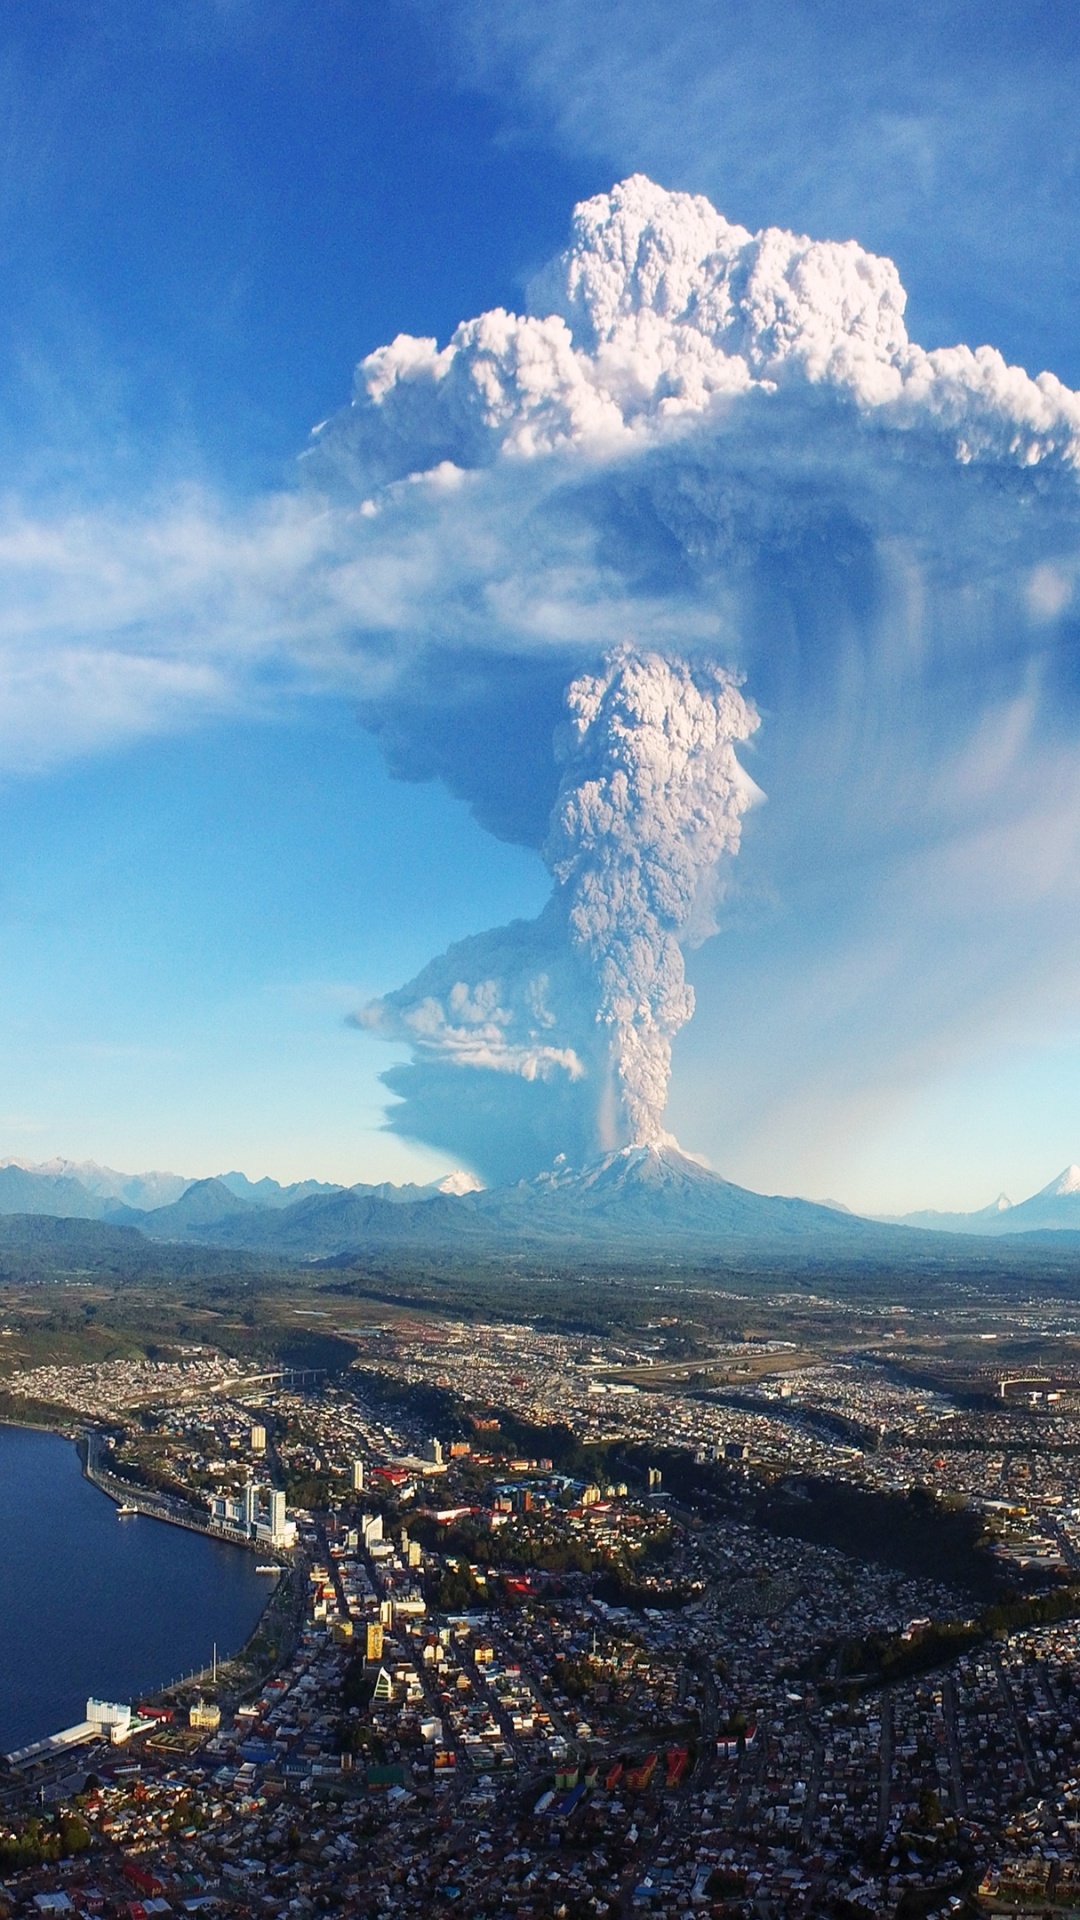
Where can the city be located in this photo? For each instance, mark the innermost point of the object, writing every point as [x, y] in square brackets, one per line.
[564, 1627]
[539, 998]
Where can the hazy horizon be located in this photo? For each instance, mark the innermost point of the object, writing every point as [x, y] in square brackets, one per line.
[105, 1181]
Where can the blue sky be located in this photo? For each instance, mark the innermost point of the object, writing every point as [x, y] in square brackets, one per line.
[210, 211]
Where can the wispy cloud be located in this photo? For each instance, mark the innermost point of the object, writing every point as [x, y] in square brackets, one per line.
[120, 623]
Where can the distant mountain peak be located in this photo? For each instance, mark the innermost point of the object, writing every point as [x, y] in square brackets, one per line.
[139, 1191]
[1054, 1206]
[643, 1199]
[1068, 1182]
[458, 1182]
[204, 1203]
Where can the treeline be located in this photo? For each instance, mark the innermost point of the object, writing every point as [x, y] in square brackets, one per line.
[915, 1532]
[881, 1660]
[439, 1408]
[39, 1842]
[18, 1410]
[1037, 1610]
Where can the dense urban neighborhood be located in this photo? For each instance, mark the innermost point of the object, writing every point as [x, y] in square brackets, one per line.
[569, 1626]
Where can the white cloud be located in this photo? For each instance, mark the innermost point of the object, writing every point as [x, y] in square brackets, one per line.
[725, 447]
[118, 624]
[477, 488]
[659, 313]
[720, 453]
[1050, 589]
[650, 800]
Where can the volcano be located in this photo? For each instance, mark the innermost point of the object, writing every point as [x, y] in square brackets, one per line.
[650, 1200]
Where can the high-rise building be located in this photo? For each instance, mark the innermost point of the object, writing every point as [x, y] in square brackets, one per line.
[277, 1511]
[257, 1439]
[251, 1505]
[108, 1713]
[359, 1476]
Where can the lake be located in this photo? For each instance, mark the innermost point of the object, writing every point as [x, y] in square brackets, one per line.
[92, 1604]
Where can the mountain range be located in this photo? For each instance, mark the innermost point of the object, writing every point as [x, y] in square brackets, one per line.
[83, 1190]
[1054, 1208]
[640, 1200]
[636, 1199]
[650, 1197]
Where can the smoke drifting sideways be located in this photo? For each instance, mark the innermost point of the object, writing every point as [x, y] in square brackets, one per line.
[709, 477]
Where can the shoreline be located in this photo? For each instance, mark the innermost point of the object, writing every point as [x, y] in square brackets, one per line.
[78, 1434]
[145, 1509]
[154, 1506]
[41, 1426]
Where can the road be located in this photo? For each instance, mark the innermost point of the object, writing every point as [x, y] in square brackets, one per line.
[948, 1701]
[1023, 1738]
[885, 1774]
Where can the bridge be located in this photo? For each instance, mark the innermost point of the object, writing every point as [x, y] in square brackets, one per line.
[292, 1379]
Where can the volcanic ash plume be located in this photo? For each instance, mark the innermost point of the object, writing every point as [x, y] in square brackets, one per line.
[587, 998]
[710, 445]
[652, 797]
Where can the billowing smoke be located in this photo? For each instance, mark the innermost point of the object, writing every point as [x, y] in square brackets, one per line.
[661, 314]
[707, 468]
[709, 460]
[650, 800]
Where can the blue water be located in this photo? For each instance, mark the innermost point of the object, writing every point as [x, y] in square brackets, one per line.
[91, 1604]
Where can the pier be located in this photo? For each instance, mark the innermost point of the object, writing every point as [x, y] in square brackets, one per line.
[157, 1506]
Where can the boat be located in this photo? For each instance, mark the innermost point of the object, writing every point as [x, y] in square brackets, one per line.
[125, 1507]
[268, 1569]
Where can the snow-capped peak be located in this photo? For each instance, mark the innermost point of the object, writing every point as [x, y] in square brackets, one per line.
[459, 1182]
[1069, 1181]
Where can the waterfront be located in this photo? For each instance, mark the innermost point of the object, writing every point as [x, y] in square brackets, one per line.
[90, 1603]
[801, 1639]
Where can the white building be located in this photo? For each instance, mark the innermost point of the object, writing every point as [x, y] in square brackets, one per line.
[259, 1512]
[108, 1714]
